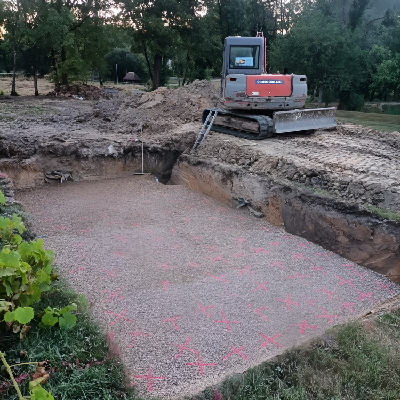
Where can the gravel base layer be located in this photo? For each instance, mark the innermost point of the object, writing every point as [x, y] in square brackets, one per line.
[191, 290]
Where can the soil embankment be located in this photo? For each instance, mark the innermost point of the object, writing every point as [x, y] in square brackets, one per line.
[338, 188]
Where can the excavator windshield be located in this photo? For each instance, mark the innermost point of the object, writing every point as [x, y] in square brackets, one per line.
[244, 57]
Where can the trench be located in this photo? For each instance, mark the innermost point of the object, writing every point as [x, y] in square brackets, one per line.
[337, 226]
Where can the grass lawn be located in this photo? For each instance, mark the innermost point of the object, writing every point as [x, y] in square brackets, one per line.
[352, 362]
[380, 122]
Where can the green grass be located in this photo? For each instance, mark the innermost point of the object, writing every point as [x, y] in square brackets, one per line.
[380, 122]
[382, 213]
[391, 109]
[79, 358]
[354, 361]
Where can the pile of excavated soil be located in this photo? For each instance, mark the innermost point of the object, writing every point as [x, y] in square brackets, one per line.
[80, 91]
[160, 115]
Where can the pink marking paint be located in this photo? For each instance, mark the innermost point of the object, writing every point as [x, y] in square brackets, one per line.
[173, 230]
[259, 250]
[260, 286]
[122, 239]
[274, 243]
[218, 278]
[304, 326]
[298, 276]
[204, 308]
[183, 347]
[166, 266]
[61, 227]
[84, 231]
[288, 302]
[76, 270]
[348, 305]
[298, 256]
[239, 240]
[166, 283]
[238, 255]
[200, 364]
[119, 317]
[278, 264]
[136, 334]
[219, 258]
[386, 287]
[311, 303]
[364, 295]
[319, 269]
[264, 228]
[113, 295]
[327, 316]
[237, 351]
[326, 292]
[118, 254]
[193, 265]
[271, 340]
[150, 377]
[136, 224]
[109, 274]
[344, 282]
[258, 312]
[242, 218]
[226, 322]
[245, 270]
[172, 320]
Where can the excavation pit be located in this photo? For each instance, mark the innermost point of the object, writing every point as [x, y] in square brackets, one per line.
[121, 239]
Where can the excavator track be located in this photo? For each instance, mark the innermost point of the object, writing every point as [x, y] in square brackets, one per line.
[259, 127]
[255, 127]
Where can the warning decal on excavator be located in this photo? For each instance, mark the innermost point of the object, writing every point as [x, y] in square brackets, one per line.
[269, 82]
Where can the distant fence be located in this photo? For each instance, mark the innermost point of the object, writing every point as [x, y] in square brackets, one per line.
[10, 74]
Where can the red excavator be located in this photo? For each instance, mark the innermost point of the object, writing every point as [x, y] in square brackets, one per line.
[258, 104]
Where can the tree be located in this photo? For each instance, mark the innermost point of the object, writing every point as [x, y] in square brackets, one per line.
[155, 28]
[325, 51]
[13, 18]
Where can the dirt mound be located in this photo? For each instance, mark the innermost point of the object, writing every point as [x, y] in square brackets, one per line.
[80, 91]
[159, 114]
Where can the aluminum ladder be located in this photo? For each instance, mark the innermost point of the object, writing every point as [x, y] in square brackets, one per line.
[205, 128]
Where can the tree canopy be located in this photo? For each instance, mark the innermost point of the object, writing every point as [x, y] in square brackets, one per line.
[349, 49]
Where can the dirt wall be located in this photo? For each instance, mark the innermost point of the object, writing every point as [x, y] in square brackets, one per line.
[333, 224]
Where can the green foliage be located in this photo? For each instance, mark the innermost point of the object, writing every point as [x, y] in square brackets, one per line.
[127, 62]
[25, 273]
[38, 393]
[63, 316]
[1, 93]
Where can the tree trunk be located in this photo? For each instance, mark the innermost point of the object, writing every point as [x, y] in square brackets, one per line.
[35, 82]
[13, 91]
[147, 60]
[320, 97]
[157, 71]
[100, 79]
[186, 69]
[64, 76]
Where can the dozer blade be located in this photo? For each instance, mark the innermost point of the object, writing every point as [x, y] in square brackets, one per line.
[304, 120]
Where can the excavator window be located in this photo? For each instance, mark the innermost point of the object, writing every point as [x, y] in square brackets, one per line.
[244, 57]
